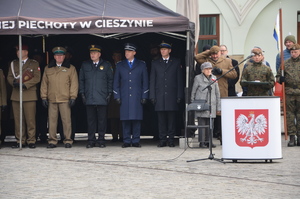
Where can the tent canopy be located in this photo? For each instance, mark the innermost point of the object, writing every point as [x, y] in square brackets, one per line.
[20, 17]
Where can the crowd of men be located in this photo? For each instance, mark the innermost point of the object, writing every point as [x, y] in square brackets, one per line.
[120, 90]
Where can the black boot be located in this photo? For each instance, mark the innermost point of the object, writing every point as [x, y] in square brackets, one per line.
[298, 140]
[292, 141]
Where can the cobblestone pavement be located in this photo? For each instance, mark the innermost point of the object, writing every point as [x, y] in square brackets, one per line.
[147, 172]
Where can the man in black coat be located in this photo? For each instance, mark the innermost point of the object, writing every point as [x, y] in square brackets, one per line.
[166, 92]
[95, 88]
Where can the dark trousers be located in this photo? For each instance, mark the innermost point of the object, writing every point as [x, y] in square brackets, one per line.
[134, 127]
[166, 125]
[96, 120]
[217, 127]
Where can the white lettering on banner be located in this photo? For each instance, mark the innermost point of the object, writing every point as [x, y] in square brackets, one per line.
[7, 24]
[109, 23]
[85, 24]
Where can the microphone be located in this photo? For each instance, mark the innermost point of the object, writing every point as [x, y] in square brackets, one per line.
[252, 54]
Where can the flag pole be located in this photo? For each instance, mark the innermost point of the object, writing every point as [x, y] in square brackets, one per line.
[282, 74]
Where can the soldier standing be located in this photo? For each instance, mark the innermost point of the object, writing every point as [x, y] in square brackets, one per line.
[260, 76]
[292, 93]
[31, 77]
[96, 78]
[3, 96]
[59, 91]
[131, 89]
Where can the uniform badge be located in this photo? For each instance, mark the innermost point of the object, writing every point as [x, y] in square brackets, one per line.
[101, 67]
[64, 70]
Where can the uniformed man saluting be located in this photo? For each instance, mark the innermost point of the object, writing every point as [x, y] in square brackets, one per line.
[96, 79]
[59, 90]
[30, 78]
[131, 89]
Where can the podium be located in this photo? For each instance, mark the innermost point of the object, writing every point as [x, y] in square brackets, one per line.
[251, 128]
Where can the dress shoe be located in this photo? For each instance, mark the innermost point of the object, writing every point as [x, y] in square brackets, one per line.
[51, 146]
[90, 145]
[171, 144]
[212, 145]
[17, 146]
[68, 145]
[102, 145]
[125, 145]
[136, 145]
[202, 145]
[162, 144]
[31, 146]
[114, 140]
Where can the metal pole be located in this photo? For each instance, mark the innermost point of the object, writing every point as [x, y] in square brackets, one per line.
[21, 90]
[187, 85]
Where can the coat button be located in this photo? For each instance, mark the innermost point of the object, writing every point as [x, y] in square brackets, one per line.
[130, 95]
[130, 80]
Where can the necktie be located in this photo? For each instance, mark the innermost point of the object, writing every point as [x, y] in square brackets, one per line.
[130, 63]
[166, 61]
[23, 63]
[95, 64]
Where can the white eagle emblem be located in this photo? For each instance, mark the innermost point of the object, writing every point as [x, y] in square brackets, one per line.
[253, 129]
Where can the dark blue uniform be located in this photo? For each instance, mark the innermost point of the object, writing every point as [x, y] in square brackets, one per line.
[95, 82]
[131, 86]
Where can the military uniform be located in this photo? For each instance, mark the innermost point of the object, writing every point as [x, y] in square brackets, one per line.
[257, 71]
[3, 95]
[59, 86]
[292, 94]
[29, 99]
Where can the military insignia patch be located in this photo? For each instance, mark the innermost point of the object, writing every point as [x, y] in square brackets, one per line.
[64, 70]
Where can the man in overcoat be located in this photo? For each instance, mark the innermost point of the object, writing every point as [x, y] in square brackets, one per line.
[166, 92]
[95, 81]
[131, 90]
[30, 78]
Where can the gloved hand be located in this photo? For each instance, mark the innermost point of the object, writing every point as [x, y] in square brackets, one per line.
[108, 97]
[153, 101]
[217, 71]
[118, 100]
[72, 102]
[16, 84]
[143, 101]
[281, 79]
[3, 107]
[23, 86]
[83, 98]
[45, 103]
[178, 100]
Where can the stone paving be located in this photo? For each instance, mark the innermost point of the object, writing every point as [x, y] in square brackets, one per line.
[147, 172]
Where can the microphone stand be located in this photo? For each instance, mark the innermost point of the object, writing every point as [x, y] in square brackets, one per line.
[211, 155]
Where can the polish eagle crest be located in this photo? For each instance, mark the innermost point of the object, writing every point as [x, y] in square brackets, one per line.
[251, 130]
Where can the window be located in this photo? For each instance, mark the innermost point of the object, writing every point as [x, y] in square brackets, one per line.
[209, 31]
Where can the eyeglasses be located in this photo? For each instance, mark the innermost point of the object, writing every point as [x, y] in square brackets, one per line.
[223, 50]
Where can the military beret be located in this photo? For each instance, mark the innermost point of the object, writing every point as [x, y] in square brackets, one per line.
[206, 65]
[290, 38]
[214, 49]
[295, 47]
[94, 47]
[24, 47]
[165, 45]
[130, 46]
[59, 50]
[257, 51]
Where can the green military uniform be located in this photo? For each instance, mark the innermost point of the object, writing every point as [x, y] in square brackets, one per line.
[3, 94]
[29, 99]
[257, 72]
[292, 94]
[59, 85]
